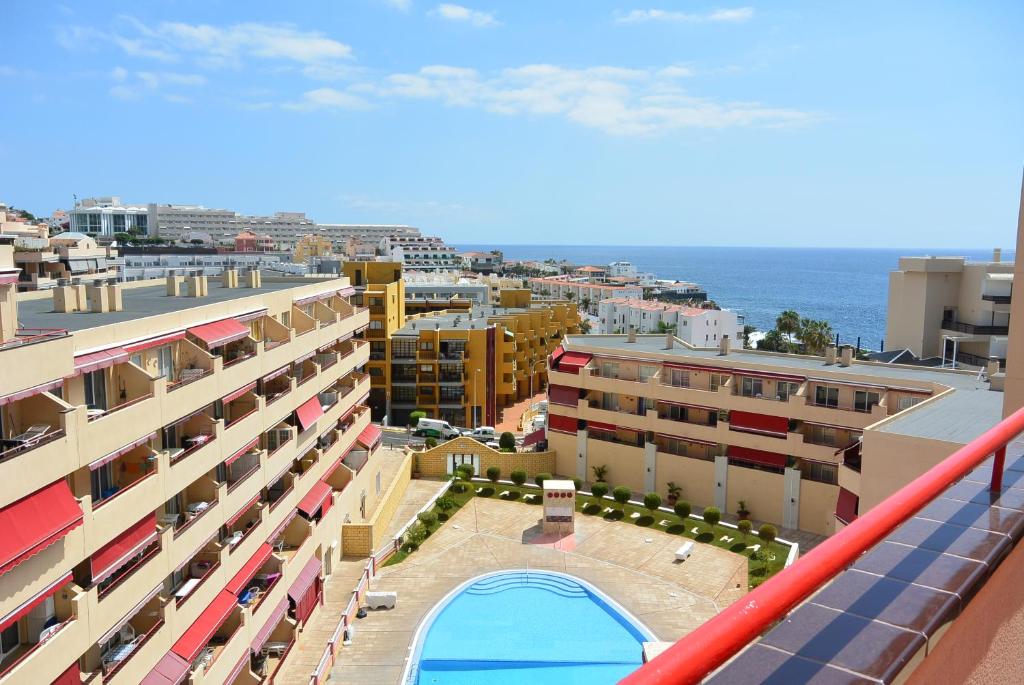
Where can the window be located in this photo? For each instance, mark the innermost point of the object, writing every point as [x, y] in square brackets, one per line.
[103, 482]
[864, 400]
[825, 396]
[610, 401]
[95, 389]
[716, 380]
[820, 472]
[376, 325]
[426, 345]
[165, 361]
[906, 402]
[376, 371]
[679, 378]
[609, 369]
[9, 639]
[751, 387]
[785, 390]
[646, 371]
[822, 435]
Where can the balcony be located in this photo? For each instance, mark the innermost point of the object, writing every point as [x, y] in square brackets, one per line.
[122, 488]
[998, 299]
[35, 449]
[200, 567]
[978, 360]
[974, 329]
[290, 539]
[45, 631]
[129, 638]
[33, 357]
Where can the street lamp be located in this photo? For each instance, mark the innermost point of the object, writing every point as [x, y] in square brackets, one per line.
[476, 398]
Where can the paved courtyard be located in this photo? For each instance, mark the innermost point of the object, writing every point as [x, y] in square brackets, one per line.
[633, 565]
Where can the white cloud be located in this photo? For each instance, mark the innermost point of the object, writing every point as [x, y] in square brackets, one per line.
[614, 100]
[450, 12]
[131, 86]
[328, 99]
[734, 15]
[119, 73]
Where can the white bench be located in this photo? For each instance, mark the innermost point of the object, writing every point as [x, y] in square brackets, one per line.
[381, 600]
[683, 553]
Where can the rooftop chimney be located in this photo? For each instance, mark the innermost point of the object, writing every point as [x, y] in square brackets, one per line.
[846, 356]
[669, 340]
[724, 346]
[174, 282]
[631, 335]
[830, 354]
[997, 255]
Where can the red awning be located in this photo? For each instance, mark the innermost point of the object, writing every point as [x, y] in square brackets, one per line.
[370, 436]
[94, 361]
[597, 425]
[29, 392]
[234, 519]
[533, 438]
[572, 362]
[219, 332]
[251, 316]
[238, 668]
[556, 354]
[238, 393]
[72, 676]
[116, 553]
[759, 423]
[562, 394]
[170, 670]
[201, 632]
[309, 504]
[30, 604]
[757, 456]
[242, 578]
[274, 374]
[309, 411]
[33, 523]
[564, 424]
[309, 573]
[268, 627]
[238, 455]
[121, 451]
[846, 506]
[154, 342]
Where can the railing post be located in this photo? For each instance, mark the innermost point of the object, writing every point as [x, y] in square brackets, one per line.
[997, 470]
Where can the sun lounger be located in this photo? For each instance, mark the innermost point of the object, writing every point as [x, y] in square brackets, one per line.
[381, 600]
[634, 515]
[726, 538]
[683, 553]
[504, 493]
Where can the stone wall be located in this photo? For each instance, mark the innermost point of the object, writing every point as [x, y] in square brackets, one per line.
[432, 463]
[362, 539]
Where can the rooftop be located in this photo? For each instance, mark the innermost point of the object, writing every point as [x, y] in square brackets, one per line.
[463, 321]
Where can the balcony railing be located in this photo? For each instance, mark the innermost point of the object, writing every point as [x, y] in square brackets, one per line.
[974, 329]
[977, 360]
[998, 299]
[20, 656]
[702, 651]
[30, 336]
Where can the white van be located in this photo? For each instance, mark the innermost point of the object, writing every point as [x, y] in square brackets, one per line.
[435, 428]
[483, 434]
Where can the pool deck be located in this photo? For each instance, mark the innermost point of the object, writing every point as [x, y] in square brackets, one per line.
[635, 566]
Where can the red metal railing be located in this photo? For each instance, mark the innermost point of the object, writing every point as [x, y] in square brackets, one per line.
[695, 656]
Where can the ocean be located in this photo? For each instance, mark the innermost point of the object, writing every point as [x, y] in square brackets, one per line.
[846, 287]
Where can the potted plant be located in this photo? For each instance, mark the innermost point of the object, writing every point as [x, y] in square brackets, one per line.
[599, 473]
[743, 513]
[673, 492]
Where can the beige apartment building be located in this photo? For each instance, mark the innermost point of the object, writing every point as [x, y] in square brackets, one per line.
[805, 442]
[951, 308]
[179, 463]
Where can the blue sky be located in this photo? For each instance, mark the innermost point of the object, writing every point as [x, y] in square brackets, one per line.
[646, 122]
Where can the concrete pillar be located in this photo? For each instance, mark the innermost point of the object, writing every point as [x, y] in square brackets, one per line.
[992, 368]
[229, 278]
[253, 279]
[830, 354]
[670, 340]
[650, 467]
[725, 345]
[65, 299]
[98, 298]
[204, 285]
[114, 298]
[631, 336]
[81, 299]
[581, 455]
[846, 356]
[194, 286]
[791, 504]
[174, 284]
[721, 482]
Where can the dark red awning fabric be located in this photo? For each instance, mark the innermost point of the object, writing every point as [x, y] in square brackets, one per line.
[170, 670]
[72, 676]
[29, 392]
[234, 519]
[274, 374]
[533, 438]
[846, 506]
[268, 627]
[280, 528]
[237, 668]
[40, 597]
[121, 451]
[309, 412]
[200, 632]
[556, 355]
[562, 394]
[370, 436]
[33, 523]
[94, 361]
[572, 362]
[154, 342]
[305, 589]
[759, 423]
[219, 332]
[564, 424]
[309, 504]
[242, 578]
[116, 553]
[237, 455]
[757, 456]
[597, 425]
[238, 393]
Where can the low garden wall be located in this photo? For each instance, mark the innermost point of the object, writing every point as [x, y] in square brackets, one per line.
[361, 539]
[433, 463]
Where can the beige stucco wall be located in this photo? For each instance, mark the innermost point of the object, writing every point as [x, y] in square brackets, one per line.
[1014, 397]
[432, 463]
[889, 461]
[363, 539]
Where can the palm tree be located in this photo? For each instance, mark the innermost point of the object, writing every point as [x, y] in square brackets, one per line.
[748, 331]
[816, 335]
[585, 303]
[788, 323]
[773, 342]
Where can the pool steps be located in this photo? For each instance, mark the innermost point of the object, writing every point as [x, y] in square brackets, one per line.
[554, 584]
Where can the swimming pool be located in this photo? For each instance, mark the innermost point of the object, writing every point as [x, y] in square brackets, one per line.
[536, 627]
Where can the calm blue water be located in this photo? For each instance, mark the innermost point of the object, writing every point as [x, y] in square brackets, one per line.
[537, 628]
[846, 287]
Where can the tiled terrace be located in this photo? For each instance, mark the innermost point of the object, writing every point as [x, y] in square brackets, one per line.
[635, 566]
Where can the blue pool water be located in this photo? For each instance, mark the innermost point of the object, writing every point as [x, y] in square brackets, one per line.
[530, 627]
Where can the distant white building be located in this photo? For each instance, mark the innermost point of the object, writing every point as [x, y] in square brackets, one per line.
[420, 253]
[698, 327]
[107, 216]
[586, 295]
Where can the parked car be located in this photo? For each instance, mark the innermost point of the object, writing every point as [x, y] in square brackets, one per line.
[483, 434]
[435, 428]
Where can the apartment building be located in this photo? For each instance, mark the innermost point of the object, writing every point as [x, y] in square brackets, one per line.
[310, 247]
[586, 294]
[464, 366]
[72, 257]
[108, 215]
[145, 263]
[419, 253]
[380, 288]
[179, 464]
[699, 327]
[952, 308]
[481, 262]
[805, 442]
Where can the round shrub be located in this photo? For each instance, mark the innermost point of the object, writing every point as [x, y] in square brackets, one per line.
[744, 526]
[599, 489]
[682, 509]
[427, 518]
[430, 443]
[712, 516]
[518, 477]
[445, 503]
[767, 533]
[652, 501]
[540, 478]
[577, 483]
[621, 494]
[415, 416]
[493, 473]
[507, 441]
